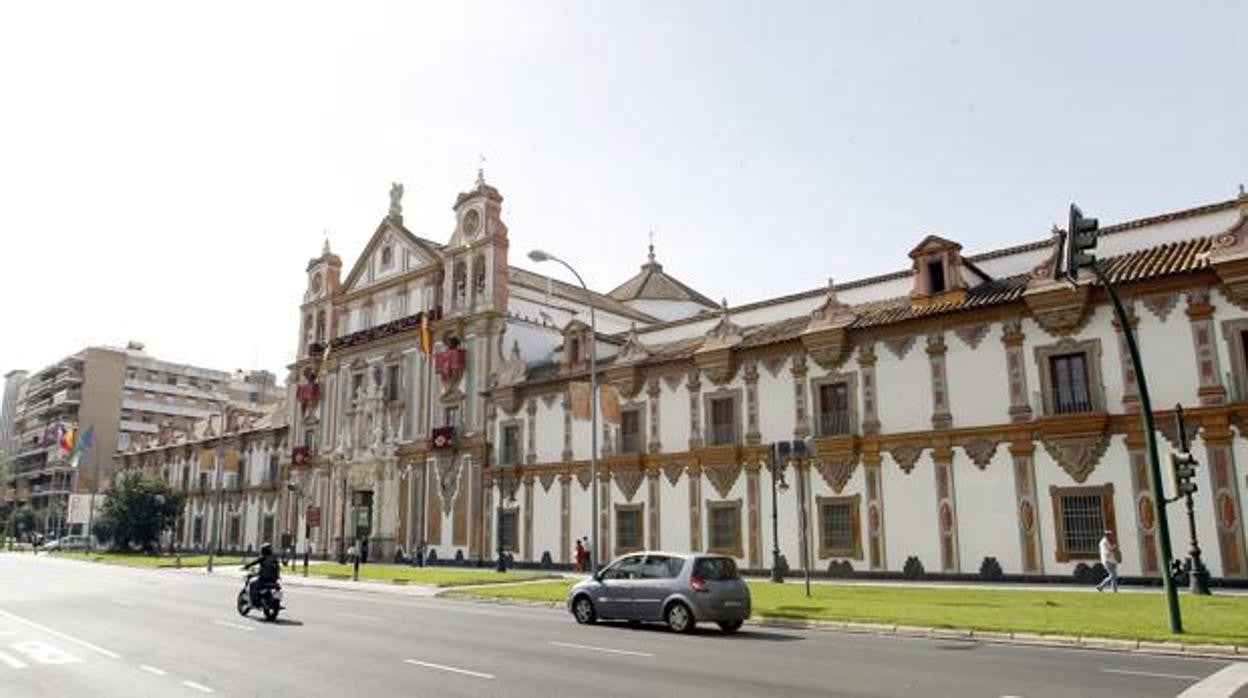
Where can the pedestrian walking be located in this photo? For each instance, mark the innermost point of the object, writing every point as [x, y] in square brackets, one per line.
[1111, 555]
[580, 556]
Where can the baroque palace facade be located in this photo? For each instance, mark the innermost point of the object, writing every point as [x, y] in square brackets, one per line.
[968, 413]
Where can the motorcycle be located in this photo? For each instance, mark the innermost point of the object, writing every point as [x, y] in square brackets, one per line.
[270, 599]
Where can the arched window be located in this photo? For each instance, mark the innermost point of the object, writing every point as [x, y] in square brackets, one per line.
[387, 257]
[478, 275]
[320, 326]
[459, 285]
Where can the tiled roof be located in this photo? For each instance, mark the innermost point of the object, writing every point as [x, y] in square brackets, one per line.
[537, 282]
[652, 283]
[1163, 260]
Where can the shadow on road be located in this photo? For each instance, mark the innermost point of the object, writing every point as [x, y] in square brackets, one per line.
[710, 632]
[289, 622]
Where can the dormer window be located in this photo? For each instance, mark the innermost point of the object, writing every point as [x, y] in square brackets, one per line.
[936, 277]
[574, 350]
[939, 271]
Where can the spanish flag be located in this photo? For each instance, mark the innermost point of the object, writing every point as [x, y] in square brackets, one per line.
[69, 438]
[426, 334]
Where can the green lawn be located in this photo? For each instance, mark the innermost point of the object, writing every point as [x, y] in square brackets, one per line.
[440, 576]
[1217, 619]
[141, 560]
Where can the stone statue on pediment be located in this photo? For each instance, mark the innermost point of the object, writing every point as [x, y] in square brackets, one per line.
[396, 196]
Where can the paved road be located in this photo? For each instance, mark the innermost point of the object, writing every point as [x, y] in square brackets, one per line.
[78, 629]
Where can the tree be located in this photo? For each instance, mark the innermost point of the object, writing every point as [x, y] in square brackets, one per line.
[136, 511]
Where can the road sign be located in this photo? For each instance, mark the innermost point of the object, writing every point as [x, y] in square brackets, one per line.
[314, 516]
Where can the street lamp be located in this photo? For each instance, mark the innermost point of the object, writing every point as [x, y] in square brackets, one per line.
[296, 488]
[542, 256]
[506, 500]
[777, 483]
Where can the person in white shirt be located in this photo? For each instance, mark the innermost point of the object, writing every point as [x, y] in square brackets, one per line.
[1110, 557]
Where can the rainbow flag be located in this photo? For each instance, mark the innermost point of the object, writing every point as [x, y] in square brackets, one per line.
[84, 441]
[69, 437]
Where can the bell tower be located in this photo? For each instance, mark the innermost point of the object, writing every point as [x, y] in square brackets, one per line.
[476, 257]
[317, 324]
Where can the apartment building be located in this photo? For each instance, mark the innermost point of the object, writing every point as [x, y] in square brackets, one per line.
[125, 396]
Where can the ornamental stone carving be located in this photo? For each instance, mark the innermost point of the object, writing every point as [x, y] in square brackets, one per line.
[980, 451]
[628, 479]
[837, 471]
[1077, 455]
[722, 476]
[672, 472]
[906, 456]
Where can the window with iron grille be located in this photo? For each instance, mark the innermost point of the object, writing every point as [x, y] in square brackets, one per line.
[1069, 374]
[724, 527]
[197, 530]
[1081, 515]
[267, 529]
[628, 527]
[630, 431]
[723, 421]
[509, 529]
[511, 445]
[839, 534]
[235, 529]
[834, 414]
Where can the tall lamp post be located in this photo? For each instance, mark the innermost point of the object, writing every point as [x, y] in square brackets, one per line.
[506, 500]
[541, 256]
[777, 483]
[218, 477]
[296, 489]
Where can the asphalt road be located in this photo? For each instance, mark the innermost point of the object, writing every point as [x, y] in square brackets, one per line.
[80, 629]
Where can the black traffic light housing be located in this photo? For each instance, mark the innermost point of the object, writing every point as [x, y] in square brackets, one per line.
[1183, 473]
[1080, 242]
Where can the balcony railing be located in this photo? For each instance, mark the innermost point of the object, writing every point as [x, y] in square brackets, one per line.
[1068, 402]
[722, 435]
[509, 456]
[835, 424]
[629, 443]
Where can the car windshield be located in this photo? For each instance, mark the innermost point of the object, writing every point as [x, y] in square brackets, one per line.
[715, 568]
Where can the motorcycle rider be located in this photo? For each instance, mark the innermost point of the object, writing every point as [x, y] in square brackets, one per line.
[270, 573]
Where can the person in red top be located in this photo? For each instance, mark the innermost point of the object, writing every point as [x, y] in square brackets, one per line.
[580, 556]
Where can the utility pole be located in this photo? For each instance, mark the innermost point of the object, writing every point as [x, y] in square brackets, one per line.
[1080, 244]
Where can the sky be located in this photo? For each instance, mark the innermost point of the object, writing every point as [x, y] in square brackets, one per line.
[167, 169]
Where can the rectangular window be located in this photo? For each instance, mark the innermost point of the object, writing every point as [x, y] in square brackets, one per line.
[235, 530]
[630, 431]
[936, 276]
[839, 534]
[197, 530]
[271, 475]
[1069, 373]
[834, 416]
[723, 421]
[628, 527]
[267, 535]
[450, 416]
[511, 445]
[309, 440]
[574, 350]
[1081, 516]
[392, 383]
[509, 529]
[724, 527]
[357, 380]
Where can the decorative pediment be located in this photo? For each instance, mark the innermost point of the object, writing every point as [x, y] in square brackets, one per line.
[628, 479]
[980, 451]
[1077, 454]
[1057, 307]
[448, 483]
[392, 250]
[672, 472]
[722, 475]
[633, 351]
[1229, 257]
[513, 369]
[547, 478]
[837, 471]
[906, 456]
[715, 356]
[826, 338]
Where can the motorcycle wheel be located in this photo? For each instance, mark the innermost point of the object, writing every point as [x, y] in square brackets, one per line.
[243, 605]
[270, 611]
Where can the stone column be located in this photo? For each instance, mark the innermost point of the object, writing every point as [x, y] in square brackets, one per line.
[565, 518]
[655, 508]
[1142, 497]
[941, 417]
[753, 496]
[694, 473]
[875, 510]
[946, 508]
[1016, 371]
[653, 389]
[1223, 477]
[752, 435]
[488, 526]
[1200, 312]
[1023, 452]
[870, 396]
[799, 370]
[694, 384]
[528, 518]
[1130, 387]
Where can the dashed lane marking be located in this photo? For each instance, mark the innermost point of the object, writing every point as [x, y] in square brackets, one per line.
[236, 626]
[12, 661]
[64, 636]
[197, 686]
[1153, 674]
[591, 648]
[153, 670]
[1219, 684]
[453, 670]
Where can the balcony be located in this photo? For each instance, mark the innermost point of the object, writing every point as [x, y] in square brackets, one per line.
[629, 443]
[509, 456]
[1068, 402]
[722, 435]
[67, 396]
[833, 424]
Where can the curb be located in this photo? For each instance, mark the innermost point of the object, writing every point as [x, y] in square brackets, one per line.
[1103, 644]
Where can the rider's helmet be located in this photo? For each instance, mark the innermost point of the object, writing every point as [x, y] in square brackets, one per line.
[266, 549]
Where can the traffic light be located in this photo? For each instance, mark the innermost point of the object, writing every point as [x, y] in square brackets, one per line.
[1080, 242]
[1182, 473]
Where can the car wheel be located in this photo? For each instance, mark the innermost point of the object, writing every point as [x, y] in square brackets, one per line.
[243, 606]
[730, 626]
[680, 618]
[584, 611]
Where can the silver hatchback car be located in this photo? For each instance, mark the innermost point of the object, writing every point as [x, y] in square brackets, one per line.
[680, 589]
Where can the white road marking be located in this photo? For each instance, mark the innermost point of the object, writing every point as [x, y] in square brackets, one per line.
[153, 670]
[12, 661]
[1179, 677]
[374, 619]
[443, 667]
[1220, 683]
[236, 626]
[197, 686]
[591, 648]
[43, 653]
[56, 633]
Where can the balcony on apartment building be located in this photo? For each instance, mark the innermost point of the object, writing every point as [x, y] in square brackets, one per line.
[186, 390]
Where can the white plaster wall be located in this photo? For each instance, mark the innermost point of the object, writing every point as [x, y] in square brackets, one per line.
[1184, 229]
[537, 343]
[979, 386]
[580, 438]
[549, 433]
[904, 389]
[545, 520]
[910, 525]
[775, 404]
[1240, 451]
[674, 514]
[1169, 356]
[674, 417]
[1224, 310]
[986, 504]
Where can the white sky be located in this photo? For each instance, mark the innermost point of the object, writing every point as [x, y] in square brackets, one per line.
[166, 170]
